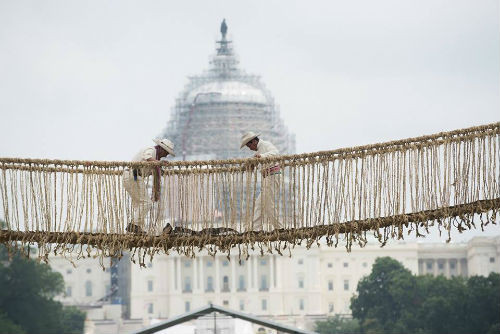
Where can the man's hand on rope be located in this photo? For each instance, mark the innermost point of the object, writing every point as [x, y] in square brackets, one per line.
[156, 196]
[250, 165]
[164, 163]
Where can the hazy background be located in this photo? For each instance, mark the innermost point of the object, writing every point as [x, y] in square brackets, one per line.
[96, 80]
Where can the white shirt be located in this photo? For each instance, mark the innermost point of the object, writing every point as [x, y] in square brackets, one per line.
[266, 149]
[144, 155]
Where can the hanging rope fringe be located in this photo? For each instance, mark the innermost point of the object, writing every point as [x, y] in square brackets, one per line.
[450, 179]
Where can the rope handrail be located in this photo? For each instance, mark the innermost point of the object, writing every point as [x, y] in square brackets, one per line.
[450, 179]
[418, 142]
[170, 167]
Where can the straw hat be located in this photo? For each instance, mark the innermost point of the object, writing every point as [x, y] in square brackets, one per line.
[248, 137]
[166, 144]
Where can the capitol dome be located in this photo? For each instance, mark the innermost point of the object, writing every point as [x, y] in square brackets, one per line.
[228, 91]
[218, 106]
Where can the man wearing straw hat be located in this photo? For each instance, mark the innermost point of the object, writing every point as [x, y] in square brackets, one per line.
[134, 182]
[265, 208]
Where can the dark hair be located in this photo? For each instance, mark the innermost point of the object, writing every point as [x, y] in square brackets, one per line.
[251, 140]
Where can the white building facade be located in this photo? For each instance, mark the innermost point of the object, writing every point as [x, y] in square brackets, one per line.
[297, 290]
[85, 281]
[311, 284]
[317, 281]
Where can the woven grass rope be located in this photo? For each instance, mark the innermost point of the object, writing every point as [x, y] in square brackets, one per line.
[450, 179]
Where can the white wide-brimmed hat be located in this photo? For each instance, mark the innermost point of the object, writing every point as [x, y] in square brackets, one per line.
[166, 144]
[247, 137]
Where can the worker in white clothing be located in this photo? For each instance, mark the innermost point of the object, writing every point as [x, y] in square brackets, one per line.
[134, 182]
[265, 212]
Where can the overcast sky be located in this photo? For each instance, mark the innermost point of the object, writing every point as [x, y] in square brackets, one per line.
[96, 80]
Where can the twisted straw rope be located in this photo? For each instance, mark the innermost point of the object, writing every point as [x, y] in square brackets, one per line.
[169, 241]
[353, 152]
[447, 178]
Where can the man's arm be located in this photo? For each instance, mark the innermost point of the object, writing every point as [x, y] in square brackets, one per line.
[156, 182]
[267, 154]
[269, 151]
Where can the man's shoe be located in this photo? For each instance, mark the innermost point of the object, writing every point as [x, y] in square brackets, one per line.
[133, 228]
[167, 229]
[183, 231]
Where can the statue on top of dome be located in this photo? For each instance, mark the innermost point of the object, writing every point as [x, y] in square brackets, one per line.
[223, 28]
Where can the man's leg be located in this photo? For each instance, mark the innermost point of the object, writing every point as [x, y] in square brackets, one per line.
[266, 215]
[257, 214]
[271, 202]
[141, 203]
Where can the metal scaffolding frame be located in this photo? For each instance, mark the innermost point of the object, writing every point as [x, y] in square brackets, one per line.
[216, 107]
[217, 309]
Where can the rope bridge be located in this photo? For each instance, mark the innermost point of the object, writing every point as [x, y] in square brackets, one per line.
[450, 179]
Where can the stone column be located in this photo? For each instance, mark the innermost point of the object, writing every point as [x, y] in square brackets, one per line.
[171, 268]
[196, 284]
[217, 275]
[202, 276]
[271, 272]
[233, 274]
[279, 268]
[255, 282]
[249, 273]
[178, 274]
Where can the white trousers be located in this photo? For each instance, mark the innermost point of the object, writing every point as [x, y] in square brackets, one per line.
[266, 213]
[141, 202]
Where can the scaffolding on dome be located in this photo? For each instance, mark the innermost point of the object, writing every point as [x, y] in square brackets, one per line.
[216, 107]
[450, 179]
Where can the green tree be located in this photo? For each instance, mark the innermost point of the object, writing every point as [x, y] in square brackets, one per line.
[337, 325]
[7, 326]
[27, 298]
[386, 299]
[73, 320]
[442, 305]
[483, 304]
[392, 300]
